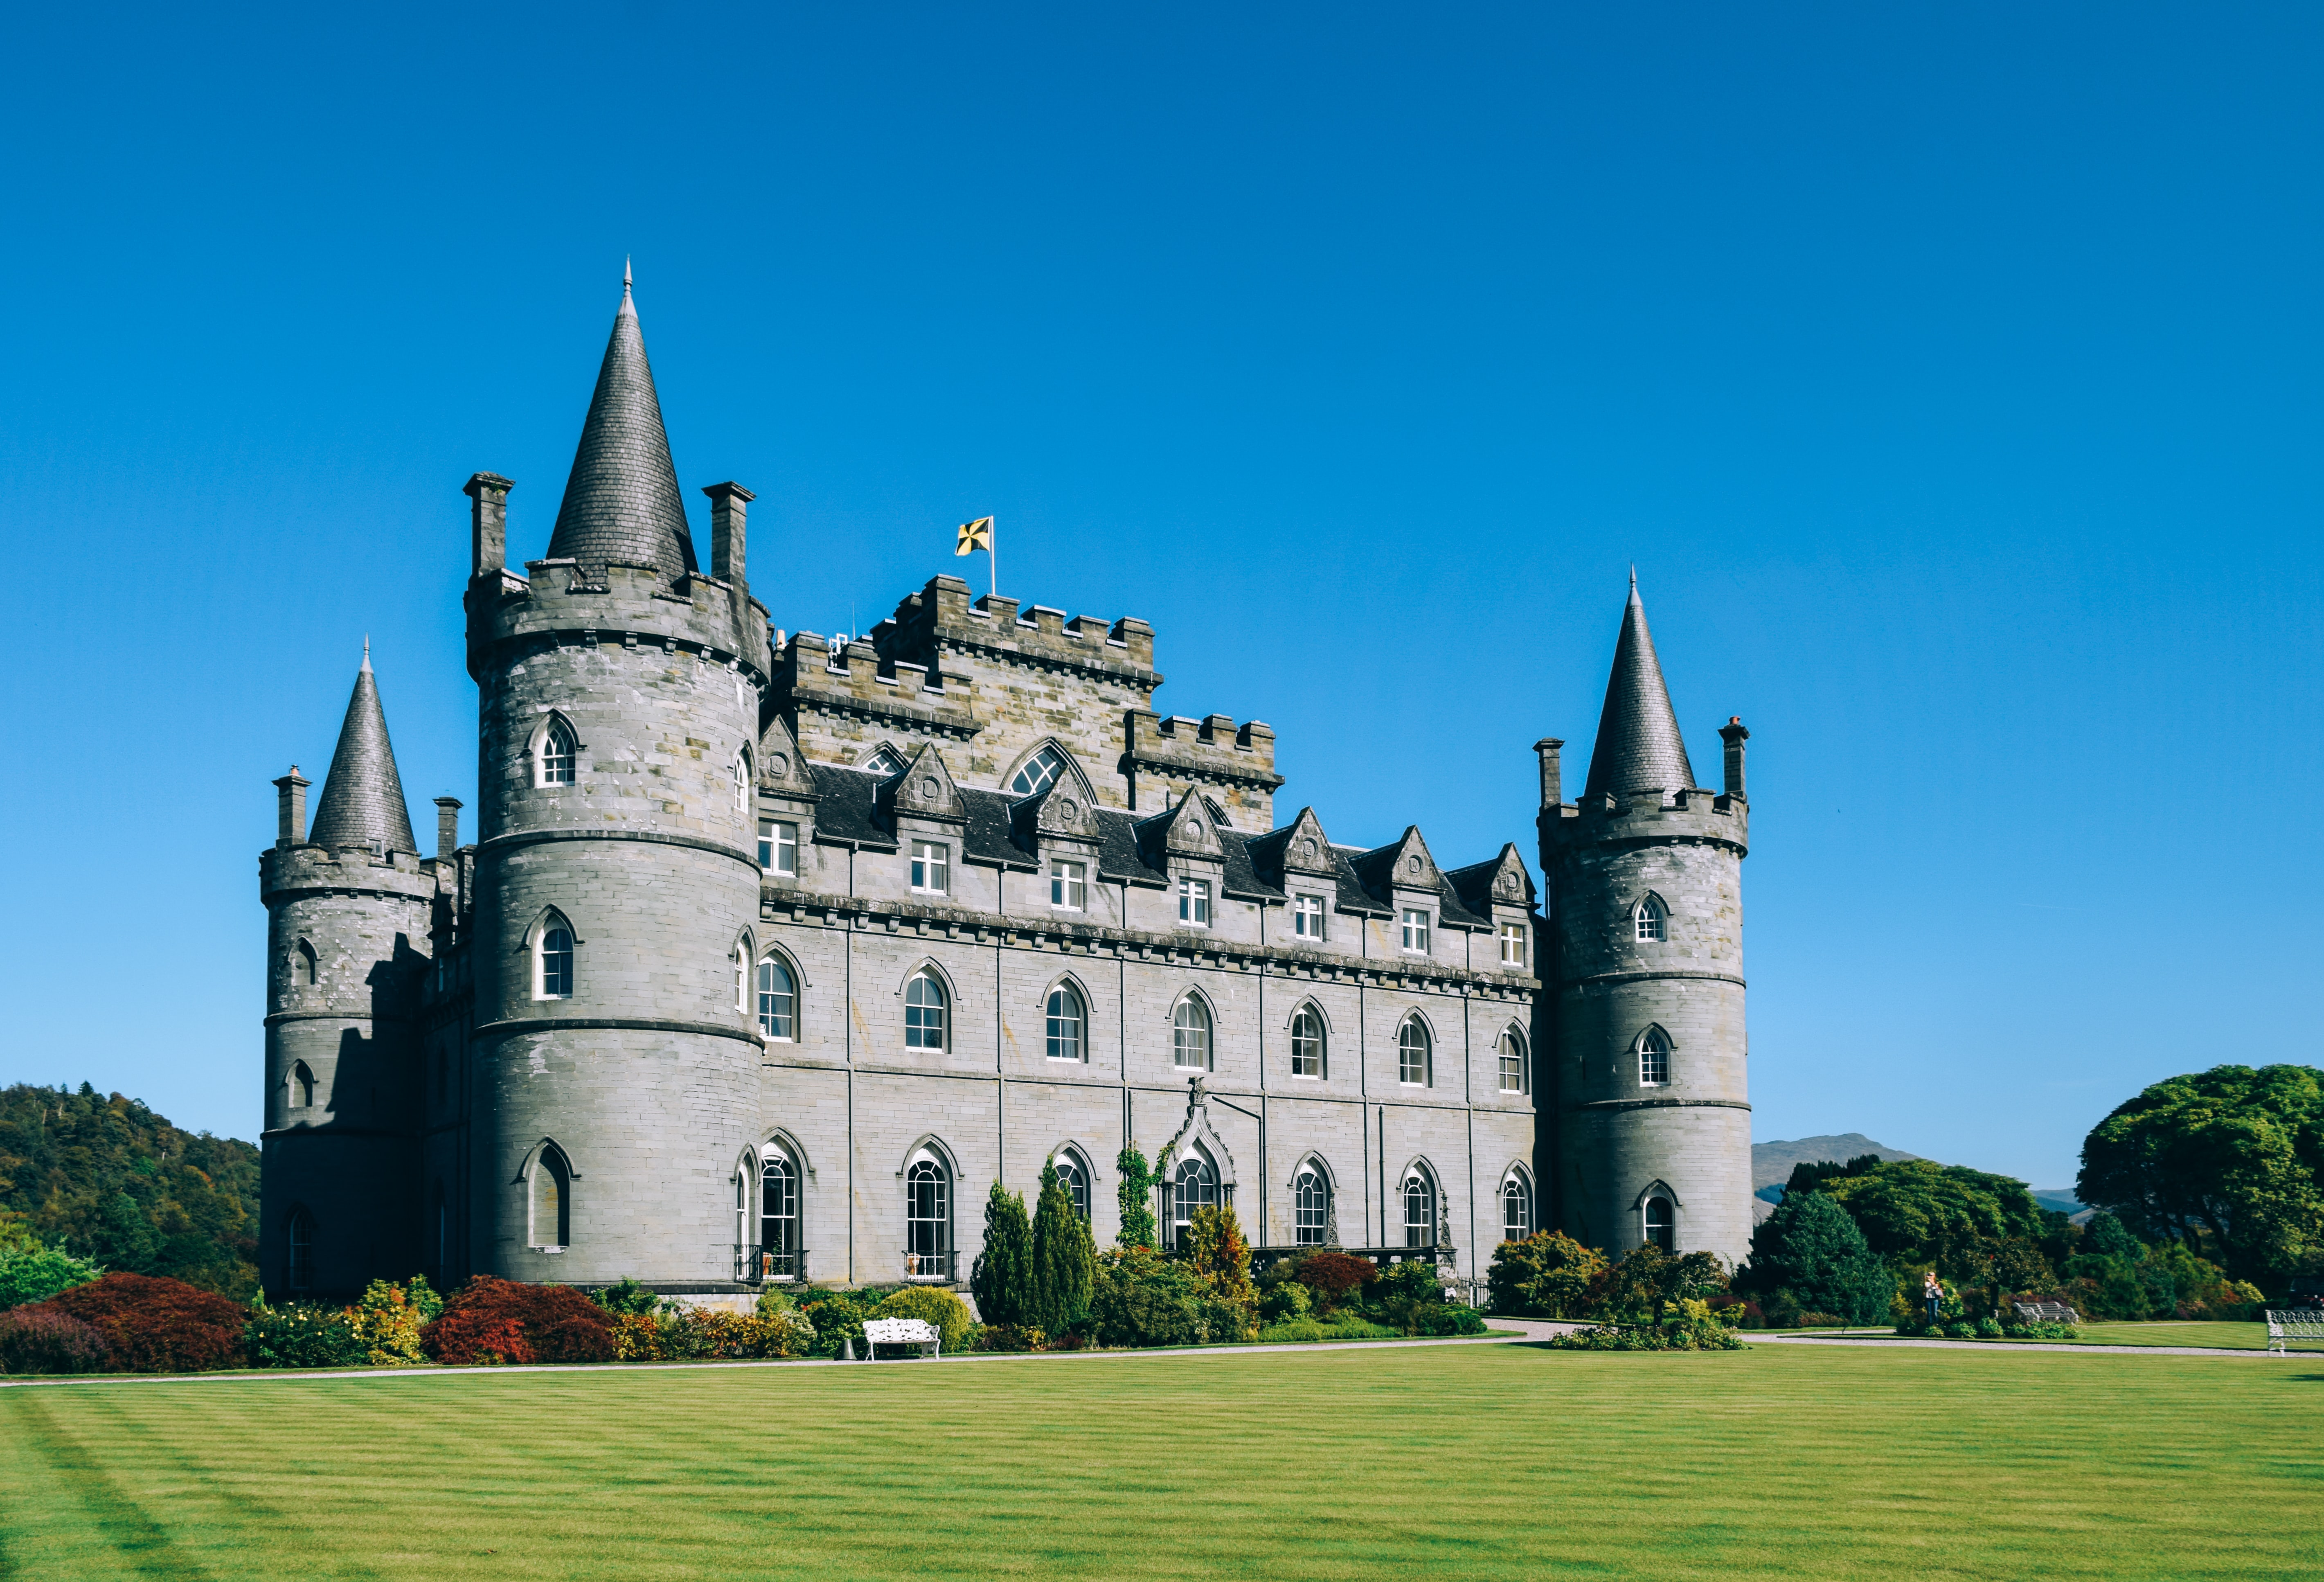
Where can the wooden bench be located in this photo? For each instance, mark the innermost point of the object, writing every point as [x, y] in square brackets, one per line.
[2294, 1324]
[2046, 1313]
[919, 1332]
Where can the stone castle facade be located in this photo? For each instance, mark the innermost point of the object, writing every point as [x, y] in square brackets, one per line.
[770, 954]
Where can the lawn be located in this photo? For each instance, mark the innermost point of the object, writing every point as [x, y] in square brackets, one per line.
[1480, 1461]
[2226, 1336]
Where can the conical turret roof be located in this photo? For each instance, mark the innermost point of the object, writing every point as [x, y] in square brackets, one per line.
[363, 797]
[621, 502]
[1638, 745]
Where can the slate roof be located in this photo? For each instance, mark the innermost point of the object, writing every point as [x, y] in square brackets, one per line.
[621, 501]
[1374, 869]
[1474, 886]
[1638, 745]
[362, 802]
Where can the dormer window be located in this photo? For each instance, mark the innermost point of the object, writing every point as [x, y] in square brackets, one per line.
[1068, 886]
[1651, 918]
[1513, 945]
[556, 754]
[1307, 918]
[931, 867]
[1415, 931]
[1040, 771]
[883, 763]
[1195, 903]
[779, 847]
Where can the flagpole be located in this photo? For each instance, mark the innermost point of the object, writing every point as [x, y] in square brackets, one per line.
[992, 557]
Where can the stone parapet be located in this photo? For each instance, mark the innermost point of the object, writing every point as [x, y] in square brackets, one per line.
[553, 606]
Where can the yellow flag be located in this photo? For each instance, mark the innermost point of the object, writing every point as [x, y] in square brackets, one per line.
[975, 535]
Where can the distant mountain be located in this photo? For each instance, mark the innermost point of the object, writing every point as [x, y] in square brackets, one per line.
[2061, 1199]
[1771, 1162]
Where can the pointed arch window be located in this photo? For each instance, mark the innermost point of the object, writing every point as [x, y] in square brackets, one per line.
[742, 783]
[551, 1195]
[553, 968]
[780, 1253]
[1307, 1044]
[882, 762]
[1039, 773]
[927, 1219]
[925, 1008]
[301, 1085]
[1190, 1035]
[1068, 1020]
[1651, 918]
[1419, 1207]
[302, 964]
[560, 756]
[1415, 1054]
[1074, 1176]
[1311, 1206]
[1661, 1225]
[298, 1263]
[1194, 1184]
[1654, 1058]
[778, 1000]
[1514, 1074]
[1517, 1207]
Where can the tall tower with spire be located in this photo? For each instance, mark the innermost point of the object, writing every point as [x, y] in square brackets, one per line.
[612, 1073]
[348, 908]
[1649, 1131]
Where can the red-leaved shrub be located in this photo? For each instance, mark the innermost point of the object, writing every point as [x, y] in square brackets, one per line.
[1332, 1275]
[153, 1325]
[35, 1341]
[492, 1320]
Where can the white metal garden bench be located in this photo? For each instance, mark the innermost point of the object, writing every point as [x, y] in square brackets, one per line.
[2296, 1324]
[919, 1332]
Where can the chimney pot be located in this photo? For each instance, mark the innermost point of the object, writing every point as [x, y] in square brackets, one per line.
[1552, 787]
[1733, 733]
[728, 502]
[487, 522]
[291, 810]
[447, 827]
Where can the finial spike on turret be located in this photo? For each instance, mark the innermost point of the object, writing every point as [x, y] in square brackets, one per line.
[367, 663]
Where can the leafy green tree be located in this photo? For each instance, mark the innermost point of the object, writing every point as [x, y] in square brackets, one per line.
[36, 1273]
[1064, 1258]
[1002, 1279]
[1917, 1212]
[1548, 1273]
[2228, 1162]
[1813, 1250]
[1135, 1196]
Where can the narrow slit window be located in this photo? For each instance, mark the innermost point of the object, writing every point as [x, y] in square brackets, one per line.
[299, 1237]
[557, 963]
[552, 1200]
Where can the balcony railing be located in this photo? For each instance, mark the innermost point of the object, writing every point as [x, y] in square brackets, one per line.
[933, 1266]
[755, 1264]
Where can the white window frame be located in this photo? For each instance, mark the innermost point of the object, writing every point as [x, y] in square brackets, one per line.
[1514, 941]
[1320, 1039]
[1193, 903]
[1184, 1033]
[1654, 1059]
[743, 786]
[560, 756]
[1515, 1185]
[1076, 1035]
[762, 1011]
[1307, 918]
[1426, 1044]
[1029, 781]
[1068, 886]
[931, 1033]
[1510, 1052]
[541, 953]
[1074, 1175]
[779, 847]
[937, 1243]
[1414, 926]
[931, 868]
[1311, 1204]
[1649, 920]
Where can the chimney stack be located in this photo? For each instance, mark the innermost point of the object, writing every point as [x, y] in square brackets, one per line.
[291, 810]
[1733, 733]
[727, 503]
[488, 520]
[1553, 788]
[447, 827]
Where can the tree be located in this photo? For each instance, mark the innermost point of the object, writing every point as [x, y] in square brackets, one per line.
[1135, 1196]
[1064, 1258]
[1002, 1275]
[1547, 1273]
[1810, 1248]
[2227, 1161]
[1918, 1212]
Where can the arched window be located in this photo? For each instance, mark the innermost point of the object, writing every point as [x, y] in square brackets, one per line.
[1307, 1042]
[1190, 1035]
[557, 755]
[301, 1085]
[1651, 918]
[553, 978]
[883, 763]
[743, 782]
[778, 1000]
[924, 1011]
[1040, 771]
[1514, 1076]
[1066, 1020]
[302, 964]
[779, 1249]
[927, 1219]
[1654, 1058]
[1517, 1207]
[1412, 1053]
[1311, 1206]
[1074, 1176]
[745, 1256]
[552, 1200]
[1419, 1207]
[1661, 1229]
[1194, 1184]
[298, 1268]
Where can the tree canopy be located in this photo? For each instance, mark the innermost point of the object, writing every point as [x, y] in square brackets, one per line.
[1810, 1248]
[1915, 1212]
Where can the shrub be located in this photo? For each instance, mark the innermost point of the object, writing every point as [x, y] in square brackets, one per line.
[155, 1325]
[1687, 1326]
[1143, 1298]
[1989, 1327]
[1001, 1278]
[838, 1316]
[1009, 1338]
[637, 1338]
[303, 1335]
[1811, 1247]
[1648, 1282]
[1809, 1320]
[1961, 1329]
[39, 1340]
[1064, 1258]
[1406, 1295]
[2041, 1330]
[389, 1317]
[490, 1320]
[938, 1307]
[1548, 1273]
[1221, 1260]
[1285, 1300]
[1330, 1276]
[1346, 1326]
[36, 1272]
[626, 1296]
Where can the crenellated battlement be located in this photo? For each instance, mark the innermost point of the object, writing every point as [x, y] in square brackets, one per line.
[942, 618]
[284, 872]
[1169, 754]
[555, 605]
[1695, 814]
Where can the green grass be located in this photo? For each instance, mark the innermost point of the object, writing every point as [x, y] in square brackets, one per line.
[1459, 1461]
[2225, 1336]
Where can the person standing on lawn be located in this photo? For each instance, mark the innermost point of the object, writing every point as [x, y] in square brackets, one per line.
[1933, 1293]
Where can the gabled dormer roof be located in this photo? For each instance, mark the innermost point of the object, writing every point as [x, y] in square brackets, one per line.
[621, 501]
[1638, 745]
[1187, 830]
[924, 789]
[1403, 863]
[362, 802]
[1066, 806]
[1500, 881]
[780, 767]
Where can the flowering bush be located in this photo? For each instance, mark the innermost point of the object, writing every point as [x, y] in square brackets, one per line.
[490, 1320]
[302, 1334]
[677, 1333]
[36, 1340]
[389, 1319]
[154, 1324]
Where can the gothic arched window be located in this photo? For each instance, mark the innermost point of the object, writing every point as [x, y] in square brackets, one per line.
[1040, 771]
[1419, 1207]
[1517, 1207]
[883, 763]
[1412, 1053]
[301, 1085]
[551, 1193]
[298, 1269]
[927, 1219]
[1651, 918]
[1307, 1042]
[778, 1000]
[743, 782]
[1194, 1184]
[558, 754]
[1311, 1206]
[1074, 1176]
[553, 965]
[1654, 1058]
[924, 1011]
[1512, 1051]
[1661, 1228]
[302, 964]
[779, 1214]
[1066, 1020]
[1190, 1035]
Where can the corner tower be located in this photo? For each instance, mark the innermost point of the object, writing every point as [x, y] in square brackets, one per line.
[616, 1078]
[347, 911]
[1652, 1120]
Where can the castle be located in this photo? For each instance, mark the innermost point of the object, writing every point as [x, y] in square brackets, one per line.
[770, 954]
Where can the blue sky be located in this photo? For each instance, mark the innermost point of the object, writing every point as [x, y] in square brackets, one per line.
[1950, 375]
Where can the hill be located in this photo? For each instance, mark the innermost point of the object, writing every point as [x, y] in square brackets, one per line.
[1771, 1162]
[120, 1184]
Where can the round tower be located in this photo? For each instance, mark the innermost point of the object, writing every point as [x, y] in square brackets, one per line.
[1652, 1115]
[347, 933]
[615, 1078]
